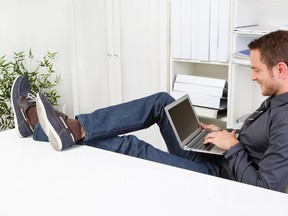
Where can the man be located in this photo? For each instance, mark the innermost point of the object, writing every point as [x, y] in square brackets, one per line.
[258, 156]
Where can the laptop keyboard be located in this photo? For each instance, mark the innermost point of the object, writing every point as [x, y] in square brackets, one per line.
[198, 142]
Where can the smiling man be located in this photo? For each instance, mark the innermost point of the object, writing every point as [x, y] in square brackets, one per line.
[259, 156]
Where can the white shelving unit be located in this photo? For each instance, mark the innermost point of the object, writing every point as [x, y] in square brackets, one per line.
[197, 68]
[186, 35]
[244, 96]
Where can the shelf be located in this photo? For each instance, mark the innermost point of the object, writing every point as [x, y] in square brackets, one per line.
[256, 30]
[242, 62]
[200, 62]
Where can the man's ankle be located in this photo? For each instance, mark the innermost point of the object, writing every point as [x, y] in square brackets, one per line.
[75, 128]
[32, 115]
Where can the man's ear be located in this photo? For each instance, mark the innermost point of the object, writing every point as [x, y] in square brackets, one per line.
[282, 69]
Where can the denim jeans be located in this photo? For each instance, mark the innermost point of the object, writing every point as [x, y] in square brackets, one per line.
[106, 128]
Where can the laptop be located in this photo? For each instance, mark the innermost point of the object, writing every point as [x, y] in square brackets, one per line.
[186, 126]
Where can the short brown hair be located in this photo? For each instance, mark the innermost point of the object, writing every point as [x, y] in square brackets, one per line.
[273, 47]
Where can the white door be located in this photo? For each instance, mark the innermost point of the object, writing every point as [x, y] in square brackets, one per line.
[91, 77]
[144, 47]
[125, 55]
[144, 53]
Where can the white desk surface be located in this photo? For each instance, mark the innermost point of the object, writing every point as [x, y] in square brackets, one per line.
[38, 181]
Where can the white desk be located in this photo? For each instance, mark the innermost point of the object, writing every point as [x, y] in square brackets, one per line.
[38, 181]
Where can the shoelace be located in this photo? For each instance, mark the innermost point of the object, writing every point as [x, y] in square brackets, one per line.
[32, 97]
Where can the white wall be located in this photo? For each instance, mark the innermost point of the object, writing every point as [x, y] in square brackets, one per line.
[41, 26]
[77, 30]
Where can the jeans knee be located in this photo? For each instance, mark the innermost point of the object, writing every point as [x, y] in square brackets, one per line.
[166, 97]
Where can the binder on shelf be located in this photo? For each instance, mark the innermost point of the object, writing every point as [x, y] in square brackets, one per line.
[195, 29]
[241, 57]
[185, 29]
[242, 54]
[200, 89]
[204, 30]
[200, 30]
[175, 29]
[213, 52]
[210, 113]
[203, 100]
[199, 80]
[224, 30]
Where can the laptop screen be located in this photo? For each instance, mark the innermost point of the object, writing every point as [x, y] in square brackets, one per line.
[184, 119]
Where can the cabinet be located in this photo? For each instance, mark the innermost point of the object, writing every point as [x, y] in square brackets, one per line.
[121, 51]
[244, 96]
[126, 56]
[200, 41]
[143, 31]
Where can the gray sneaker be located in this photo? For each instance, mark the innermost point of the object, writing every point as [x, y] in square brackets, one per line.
[21, 101]
[53, 123]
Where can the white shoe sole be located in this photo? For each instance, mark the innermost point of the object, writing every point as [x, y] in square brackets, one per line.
[53, 136]
[13, 108]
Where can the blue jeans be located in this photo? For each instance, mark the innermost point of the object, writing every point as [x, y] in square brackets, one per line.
[105, 129]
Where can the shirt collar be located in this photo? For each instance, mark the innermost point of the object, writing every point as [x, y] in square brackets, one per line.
[279, 100]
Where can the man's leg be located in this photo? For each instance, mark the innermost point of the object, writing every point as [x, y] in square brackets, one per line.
[132, 116]
[107, 123]
[39, 134]
[139, 114]
[132, 146]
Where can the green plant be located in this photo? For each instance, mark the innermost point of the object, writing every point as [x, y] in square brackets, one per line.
[41, 75]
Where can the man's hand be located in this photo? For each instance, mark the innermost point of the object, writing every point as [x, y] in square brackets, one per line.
[222, 139]
[219, 137]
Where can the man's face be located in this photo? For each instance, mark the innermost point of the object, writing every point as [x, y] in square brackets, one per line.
[267, 80]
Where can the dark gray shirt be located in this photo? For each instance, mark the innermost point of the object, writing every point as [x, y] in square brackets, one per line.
[261, 156]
